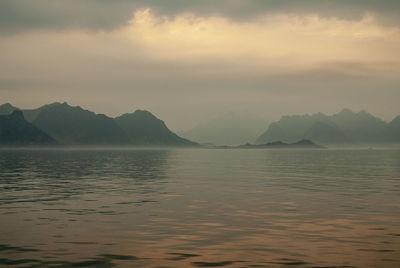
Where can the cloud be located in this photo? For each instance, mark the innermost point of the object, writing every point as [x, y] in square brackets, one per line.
[23, 15]
[214, 47]
[272, 40]
[202, 65]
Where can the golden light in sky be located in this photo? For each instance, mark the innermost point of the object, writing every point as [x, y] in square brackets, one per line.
[282, 41]
[211, 60]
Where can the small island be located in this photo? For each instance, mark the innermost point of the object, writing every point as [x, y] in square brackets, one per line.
[302, 144]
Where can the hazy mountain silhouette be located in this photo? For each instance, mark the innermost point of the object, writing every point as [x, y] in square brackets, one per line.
[324, 132]
[361, 127]
[230, 129]
[392, 132]
[290, 128]
[74, 125]
[16, 131]
[29, 114]
[143, 128]
[6, 109]
[344, 127]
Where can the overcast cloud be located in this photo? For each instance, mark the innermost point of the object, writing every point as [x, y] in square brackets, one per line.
[189, 61]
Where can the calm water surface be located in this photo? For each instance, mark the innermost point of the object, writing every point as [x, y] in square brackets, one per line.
[200, 208]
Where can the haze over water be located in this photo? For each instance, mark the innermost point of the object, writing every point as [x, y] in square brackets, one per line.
[200, 208]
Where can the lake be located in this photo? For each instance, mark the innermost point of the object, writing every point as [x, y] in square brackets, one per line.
[200, 208]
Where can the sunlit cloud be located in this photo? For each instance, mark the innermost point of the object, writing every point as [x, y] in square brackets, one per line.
[273, 43]
[279, 40]
[208, 64]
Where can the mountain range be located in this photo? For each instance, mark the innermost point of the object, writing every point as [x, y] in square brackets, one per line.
[62, 124]
[344, 128]
[72, 125]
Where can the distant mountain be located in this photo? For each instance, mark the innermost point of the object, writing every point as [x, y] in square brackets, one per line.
[290, 128]
[231, 129]
[6, 109]
[16, 131]
[143, 128]
[76, 126]
[29, 114]
[392, 131]
[345, 127]
[325, 132]
[360, 127]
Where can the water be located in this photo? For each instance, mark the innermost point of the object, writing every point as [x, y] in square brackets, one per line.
[200, 208]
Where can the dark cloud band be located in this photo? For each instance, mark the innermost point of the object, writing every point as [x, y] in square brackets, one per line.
[22, 15]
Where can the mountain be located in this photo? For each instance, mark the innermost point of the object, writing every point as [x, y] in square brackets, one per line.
[7, 108]
[345, 127]
[76, 126]
[143, 128]
[290, 128]
[29, 114]
[72, 125]
[231, 129]
[392, 131]
[325, 132]
[361, 127]
[16, 131]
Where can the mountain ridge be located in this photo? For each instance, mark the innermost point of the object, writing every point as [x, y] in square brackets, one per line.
[143, 127]
[344, 127]
[75, 126]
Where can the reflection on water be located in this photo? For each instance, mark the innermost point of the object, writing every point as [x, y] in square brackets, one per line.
[200, 208]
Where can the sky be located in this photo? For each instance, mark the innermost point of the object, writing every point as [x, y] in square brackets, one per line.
[188, 61]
